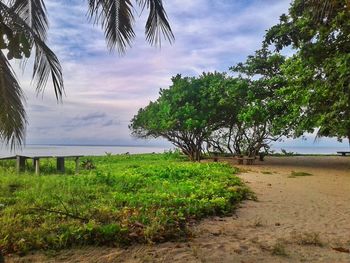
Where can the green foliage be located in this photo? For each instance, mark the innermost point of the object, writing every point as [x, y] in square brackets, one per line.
[127, 198]
[219, 113]
[318, 76]
[89, 165]
[260, 111]
[186, 113]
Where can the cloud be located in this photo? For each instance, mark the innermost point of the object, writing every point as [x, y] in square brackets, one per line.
[111, 123]
[91, 117]
[104, 90]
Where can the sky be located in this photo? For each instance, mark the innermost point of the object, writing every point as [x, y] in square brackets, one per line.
[103, 90]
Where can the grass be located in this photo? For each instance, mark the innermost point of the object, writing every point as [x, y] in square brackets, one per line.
[279, 249]
[126, 199]
[308, 239]
[298, 174]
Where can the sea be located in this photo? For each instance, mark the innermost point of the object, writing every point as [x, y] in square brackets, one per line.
[98, 150]
[86, 150]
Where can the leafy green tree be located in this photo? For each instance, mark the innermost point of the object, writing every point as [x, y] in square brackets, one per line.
[229, 137]
[258, 113]
[23, 30]
[218, 113]
[318, 75]
[186, 114]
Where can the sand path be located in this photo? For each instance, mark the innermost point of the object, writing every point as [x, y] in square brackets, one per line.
[301, 219]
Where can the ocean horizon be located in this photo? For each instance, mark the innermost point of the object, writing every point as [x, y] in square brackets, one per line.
[97, 150]
[88, 150]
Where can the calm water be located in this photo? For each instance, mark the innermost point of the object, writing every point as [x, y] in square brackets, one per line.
[54, 150]
[101, 150]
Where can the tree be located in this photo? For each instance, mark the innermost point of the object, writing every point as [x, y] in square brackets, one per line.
[23, 30]
[186, 113]
[218, 113]
[256, 110]
[229, 137]
[318, 74]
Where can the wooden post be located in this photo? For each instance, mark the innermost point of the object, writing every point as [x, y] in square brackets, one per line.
[21, 163]
[76, 165]
[216, 159]
[37, 165]
[261, 156]
[60, 164]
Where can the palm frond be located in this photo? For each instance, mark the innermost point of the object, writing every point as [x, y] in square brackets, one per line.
[12, 112]
[33, 12]
[118, 23]
[46, 63]
[116, 17]
[157, 24]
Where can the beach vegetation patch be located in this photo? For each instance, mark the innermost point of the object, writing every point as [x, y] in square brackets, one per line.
[308, 239]
[279, 249]
[298, 174]
[126, 199]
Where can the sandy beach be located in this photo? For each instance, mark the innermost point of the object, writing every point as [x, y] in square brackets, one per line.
[296, 219]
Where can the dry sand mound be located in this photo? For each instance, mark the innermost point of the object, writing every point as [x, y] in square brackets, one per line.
[297, 219]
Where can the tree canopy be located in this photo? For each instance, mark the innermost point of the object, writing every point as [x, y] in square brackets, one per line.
[215, 112]
[318, 73]
[262, 118]
[185, 114]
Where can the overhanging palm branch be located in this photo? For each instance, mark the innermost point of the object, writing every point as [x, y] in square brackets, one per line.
[157, 23]
[12, 113]
[33, 12]
[117, 19]
[23, 28]
[46, 63]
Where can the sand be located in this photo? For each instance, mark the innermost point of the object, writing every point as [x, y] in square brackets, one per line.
[296, 219]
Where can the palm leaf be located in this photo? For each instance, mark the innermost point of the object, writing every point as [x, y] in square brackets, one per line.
[157, 23]
[118, 23]
[46, 63]
[12, 113]
[33, 12]
[116, 17]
